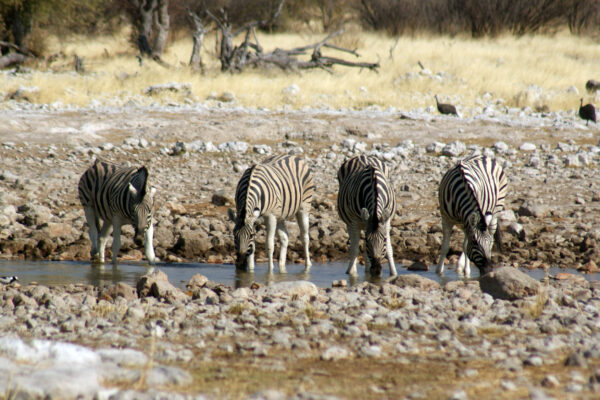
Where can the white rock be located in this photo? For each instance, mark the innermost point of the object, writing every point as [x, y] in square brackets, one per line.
[527, 147]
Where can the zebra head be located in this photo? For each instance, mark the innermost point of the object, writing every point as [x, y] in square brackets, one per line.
[142, 203]
[480, 231]
[375, 239]
[244, 234]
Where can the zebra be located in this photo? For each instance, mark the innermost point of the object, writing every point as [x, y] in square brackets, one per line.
[116, 195]
[271, 192]
[471, 194]
[366, 201]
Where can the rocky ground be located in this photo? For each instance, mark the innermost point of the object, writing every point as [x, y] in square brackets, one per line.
[505, 337]
[197, 154]
[291, 340]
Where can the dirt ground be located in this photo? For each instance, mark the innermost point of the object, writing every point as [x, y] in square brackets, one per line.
[43, 153]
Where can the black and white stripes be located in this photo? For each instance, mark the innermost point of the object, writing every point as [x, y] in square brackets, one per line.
[366, 201]
[471, 194]
[279, 188]
[116, 196]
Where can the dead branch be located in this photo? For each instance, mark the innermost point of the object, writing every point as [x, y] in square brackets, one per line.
[12, 59]
[19, 49]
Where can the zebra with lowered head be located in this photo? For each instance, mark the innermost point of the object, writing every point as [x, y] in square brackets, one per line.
[271, 192]
[471, 194]
[366, 201]
[116, 195]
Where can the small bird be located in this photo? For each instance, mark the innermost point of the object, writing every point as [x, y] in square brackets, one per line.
[8, 279]
[445, 108]
[587, 112]
[591, 86]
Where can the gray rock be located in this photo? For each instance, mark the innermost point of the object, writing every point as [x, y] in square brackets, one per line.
[415, 281]
[534, 210]
[509, 283]
[162, 376]
[454, 149]
[290, 288]
[527, 147]
[435, 147]
[335, 353]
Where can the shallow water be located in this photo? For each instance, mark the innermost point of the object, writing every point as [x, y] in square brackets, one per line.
[322, 275]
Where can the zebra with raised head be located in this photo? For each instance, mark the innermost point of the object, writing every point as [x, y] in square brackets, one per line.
[471, 194]
[116, 195]
[366, 201]
[271, 192]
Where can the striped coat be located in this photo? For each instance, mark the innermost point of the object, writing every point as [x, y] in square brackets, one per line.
[366, 201]
[111, 196]
[471, 194]
[271, 192]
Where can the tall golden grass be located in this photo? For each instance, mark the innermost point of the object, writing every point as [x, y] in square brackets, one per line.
[462, 71]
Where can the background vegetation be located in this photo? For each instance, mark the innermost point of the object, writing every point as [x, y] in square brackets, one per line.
[535, 53]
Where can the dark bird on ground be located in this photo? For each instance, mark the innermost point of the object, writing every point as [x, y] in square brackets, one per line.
[8, 279]
[591, 86]
[445, 108]
[587, 112]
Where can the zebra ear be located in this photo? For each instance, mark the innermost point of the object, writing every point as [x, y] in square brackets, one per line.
[256, 213]
[364, 214]
[488, 219]
[132, 189]
[232, 215]
[152, 192]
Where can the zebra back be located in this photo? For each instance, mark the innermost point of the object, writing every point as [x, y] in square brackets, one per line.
[105, 188]
[364, 183]
[476, 183]
[280, 185]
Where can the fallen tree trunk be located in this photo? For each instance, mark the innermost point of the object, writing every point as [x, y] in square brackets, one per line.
[288, 59]
[12, 59]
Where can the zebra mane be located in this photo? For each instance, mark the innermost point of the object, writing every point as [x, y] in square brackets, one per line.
[242, 192]
[375, 217]
[469, 185]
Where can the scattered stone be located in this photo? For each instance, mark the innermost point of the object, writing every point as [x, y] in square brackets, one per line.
[509, 284]
[415, 281]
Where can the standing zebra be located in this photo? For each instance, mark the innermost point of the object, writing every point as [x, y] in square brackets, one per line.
[280, 187]
[471, 194]
[366, 201]
[116, 195]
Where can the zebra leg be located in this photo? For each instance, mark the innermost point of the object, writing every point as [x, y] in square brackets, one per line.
[446, 232]
[462, 260]
[390, 253]
[283, 245]
[116, 243]
[90, 217]
[302, 218]
[354, 234]
[271, 223]
[104, 233]
[148, 247]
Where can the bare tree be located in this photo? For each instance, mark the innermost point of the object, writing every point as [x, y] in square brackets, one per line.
[153, 24]
[250, 53]
[198, 37]
[161, 24]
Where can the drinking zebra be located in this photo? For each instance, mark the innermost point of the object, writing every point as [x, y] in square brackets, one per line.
[117, 195]
[366, 201]
[271, 192]
[471, 194]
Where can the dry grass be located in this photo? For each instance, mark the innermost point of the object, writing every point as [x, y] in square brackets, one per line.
[503, 67]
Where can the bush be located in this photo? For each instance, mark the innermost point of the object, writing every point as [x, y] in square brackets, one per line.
[479, 17]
